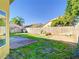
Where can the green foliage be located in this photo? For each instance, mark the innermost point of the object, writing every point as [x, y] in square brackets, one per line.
[11, 1]
[58, 22]
[71, 12]
[2, 42]
[17, 20]
[72, 8]
[2, 23]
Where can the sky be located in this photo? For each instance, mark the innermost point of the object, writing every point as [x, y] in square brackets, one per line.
[37, 11]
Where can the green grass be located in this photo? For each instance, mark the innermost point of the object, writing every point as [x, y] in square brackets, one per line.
[35, 51]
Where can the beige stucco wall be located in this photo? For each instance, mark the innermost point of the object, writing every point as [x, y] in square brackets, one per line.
[4, 50]
[53, 30]
[58, 33]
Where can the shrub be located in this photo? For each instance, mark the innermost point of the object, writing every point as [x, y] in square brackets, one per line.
[2, 23]
[47, 34]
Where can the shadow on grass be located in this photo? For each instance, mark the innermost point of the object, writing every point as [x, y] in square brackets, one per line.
[44, 48]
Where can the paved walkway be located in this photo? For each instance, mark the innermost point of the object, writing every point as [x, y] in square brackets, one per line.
[17, 42]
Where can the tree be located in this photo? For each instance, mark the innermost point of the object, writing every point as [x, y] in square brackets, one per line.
[17, 20]
[71, 12]
[11, 1]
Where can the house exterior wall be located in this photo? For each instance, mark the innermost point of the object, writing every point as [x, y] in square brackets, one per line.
[4, 50]
[48, 24]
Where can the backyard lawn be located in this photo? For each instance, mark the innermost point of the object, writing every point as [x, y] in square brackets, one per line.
[42, 49]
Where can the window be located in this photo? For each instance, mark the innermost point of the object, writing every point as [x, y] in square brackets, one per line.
[2, 28]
